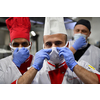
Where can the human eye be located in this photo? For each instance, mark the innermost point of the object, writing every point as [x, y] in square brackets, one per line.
[77, 30]
[48, 44]
[84, 31]
[15, 44]
[25, 44]
[57, 43]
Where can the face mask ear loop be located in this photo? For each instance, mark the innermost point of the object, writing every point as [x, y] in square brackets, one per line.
[66, 44]
[29, 45]
[12, 48]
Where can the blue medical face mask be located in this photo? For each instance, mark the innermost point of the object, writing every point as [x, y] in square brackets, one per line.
[76, 36]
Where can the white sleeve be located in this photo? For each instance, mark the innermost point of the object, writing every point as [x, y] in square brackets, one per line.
[8, 73]
[1, 76]
[87, 66]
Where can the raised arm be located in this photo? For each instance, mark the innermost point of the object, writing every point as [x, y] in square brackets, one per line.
[72, 49]
[84, 75]
[28, 77]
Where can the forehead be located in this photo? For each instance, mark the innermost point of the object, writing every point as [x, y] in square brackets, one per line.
[54, 37]
[81, 27]
[20, 40]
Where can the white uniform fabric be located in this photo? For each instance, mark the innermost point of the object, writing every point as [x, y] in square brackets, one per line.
[8, 71]
[70, 77]
[92, 56]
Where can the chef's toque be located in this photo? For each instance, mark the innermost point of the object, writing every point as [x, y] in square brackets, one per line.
[19, 27]
[54, 25]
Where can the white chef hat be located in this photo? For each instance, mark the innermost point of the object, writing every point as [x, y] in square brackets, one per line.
[54, 25]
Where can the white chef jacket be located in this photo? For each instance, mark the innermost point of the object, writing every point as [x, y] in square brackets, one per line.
[91, 55]
[70, 77]
[9, 71]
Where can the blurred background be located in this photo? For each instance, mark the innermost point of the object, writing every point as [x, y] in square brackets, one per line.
[37, 29]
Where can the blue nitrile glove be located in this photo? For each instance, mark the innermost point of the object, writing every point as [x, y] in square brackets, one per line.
[68, 56]
[39, 58]
[20, 56]
[80, 42]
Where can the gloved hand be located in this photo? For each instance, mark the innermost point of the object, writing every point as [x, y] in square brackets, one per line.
[68, 56]
[20, 56]
[39, 58]
[80, 42]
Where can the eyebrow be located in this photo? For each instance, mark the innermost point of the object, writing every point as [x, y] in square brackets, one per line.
[48, 42]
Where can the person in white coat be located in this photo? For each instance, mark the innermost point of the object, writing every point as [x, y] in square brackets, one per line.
[87, 52]
[14, 66]
[55, 64]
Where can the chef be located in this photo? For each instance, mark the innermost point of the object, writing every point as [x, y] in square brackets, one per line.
[14, 66]
[86, 52]
[59, 66]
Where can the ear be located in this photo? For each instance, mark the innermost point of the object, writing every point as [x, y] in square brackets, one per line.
[30, 44]
[89, 34]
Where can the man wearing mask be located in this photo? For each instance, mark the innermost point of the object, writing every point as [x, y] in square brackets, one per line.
[86, 52]
[14, 66]
[55, 63]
